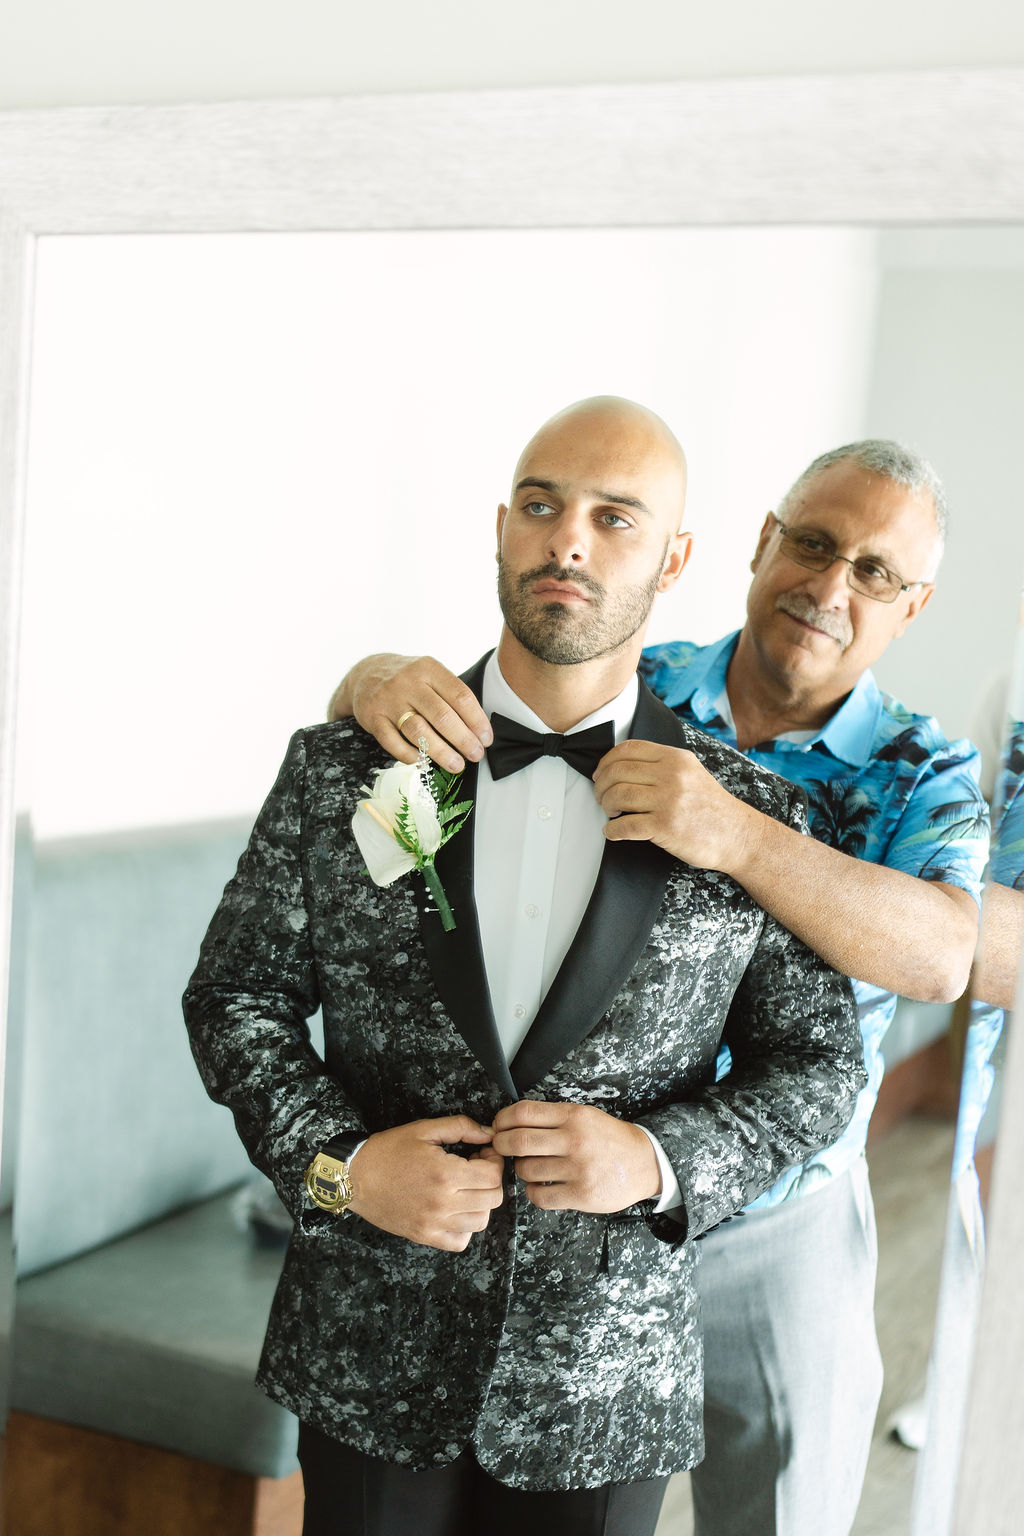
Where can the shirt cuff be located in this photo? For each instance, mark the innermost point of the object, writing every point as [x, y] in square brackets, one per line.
[671, 1195]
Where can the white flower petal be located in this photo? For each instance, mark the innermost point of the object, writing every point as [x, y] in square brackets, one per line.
[392, 787]
[424, 818]
[397, 780]
[385, 858]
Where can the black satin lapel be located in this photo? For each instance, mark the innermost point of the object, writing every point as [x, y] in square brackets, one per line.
[456, 958]
[654, 721]
[615, 928]
[608, 943]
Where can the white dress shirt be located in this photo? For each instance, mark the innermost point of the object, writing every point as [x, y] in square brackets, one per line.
[537, 848]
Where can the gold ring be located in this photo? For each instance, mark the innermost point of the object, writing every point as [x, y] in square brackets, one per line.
[403, 718]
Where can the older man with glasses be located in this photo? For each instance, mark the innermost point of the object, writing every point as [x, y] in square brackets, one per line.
[886, 890]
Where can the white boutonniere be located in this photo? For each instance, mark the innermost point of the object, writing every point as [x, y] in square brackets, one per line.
[411, 812]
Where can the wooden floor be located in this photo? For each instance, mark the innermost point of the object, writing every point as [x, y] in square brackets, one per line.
[910, 1179]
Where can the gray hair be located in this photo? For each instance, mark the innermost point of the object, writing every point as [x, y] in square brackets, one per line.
[892, 461]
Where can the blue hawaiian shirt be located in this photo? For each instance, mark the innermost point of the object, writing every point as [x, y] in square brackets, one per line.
[882, 784]
[1007, 863]
[1006, 867]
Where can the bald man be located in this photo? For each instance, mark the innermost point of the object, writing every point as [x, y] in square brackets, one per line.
[512, 1334]
[887, 890]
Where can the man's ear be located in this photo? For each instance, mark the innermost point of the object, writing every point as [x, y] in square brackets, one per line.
[921, 598]
[680, 548]
[502, 514]
[768, 527]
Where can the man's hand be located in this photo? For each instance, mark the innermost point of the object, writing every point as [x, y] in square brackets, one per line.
[898, 931]
[665, 795]
[405, 1182]
[574, 1157]
[383, 689]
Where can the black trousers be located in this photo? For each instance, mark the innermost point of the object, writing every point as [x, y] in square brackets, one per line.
[349, 1494]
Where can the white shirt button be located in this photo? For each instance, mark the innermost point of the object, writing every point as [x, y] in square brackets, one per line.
[519, 1012]
[544, 812]
[532, 911]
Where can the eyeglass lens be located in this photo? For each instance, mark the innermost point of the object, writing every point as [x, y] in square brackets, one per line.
[815, 553]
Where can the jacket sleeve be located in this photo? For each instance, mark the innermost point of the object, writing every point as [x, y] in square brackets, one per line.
[797, 1068]
[248, 1001]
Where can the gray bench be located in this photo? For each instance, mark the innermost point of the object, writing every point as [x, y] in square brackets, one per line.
[140, 1303]
[156, 1337]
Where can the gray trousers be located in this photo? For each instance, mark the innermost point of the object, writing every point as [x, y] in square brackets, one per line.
[793, 1374]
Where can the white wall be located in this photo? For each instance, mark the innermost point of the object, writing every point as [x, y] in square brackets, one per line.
[254, 458]
[949, 379]
[65, 53]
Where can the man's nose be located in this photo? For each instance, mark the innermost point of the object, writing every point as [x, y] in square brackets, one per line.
[569, 539]
[830, 587]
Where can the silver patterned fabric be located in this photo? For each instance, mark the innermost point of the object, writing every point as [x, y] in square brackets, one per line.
[564, 1347]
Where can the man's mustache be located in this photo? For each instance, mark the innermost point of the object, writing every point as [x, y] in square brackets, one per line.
[799, 606]
[554, 572]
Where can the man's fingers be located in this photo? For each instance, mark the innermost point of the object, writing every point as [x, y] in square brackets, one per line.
[477, 1201]
[637, 752]
[545, 1170]
[463, 721]
[451, 1128]
[409, 1182]
[628, 771]
[531, 1141]
[456, 1235]
[628, 799]
[391, 739]
[447, 1227]
[448, 1239]
[416, 729]
[537, 1112]
[552, 1197]
[448, 1207]
[641, 762]
[476, 1176]
[634, 828]
[473, 1222]
[444, 711]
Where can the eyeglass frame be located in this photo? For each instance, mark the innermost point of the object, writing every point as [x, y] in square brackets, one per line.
[904, 586]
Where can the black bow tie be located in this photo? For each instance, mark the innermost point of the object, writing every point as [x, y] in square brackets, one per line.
[516, 746]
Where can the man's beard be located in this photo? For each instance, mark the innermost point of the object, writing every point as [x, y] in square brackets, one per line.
[565, 634]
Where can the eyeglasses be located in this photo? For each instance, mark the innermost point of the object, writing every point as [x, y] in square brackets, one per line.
[869, 577]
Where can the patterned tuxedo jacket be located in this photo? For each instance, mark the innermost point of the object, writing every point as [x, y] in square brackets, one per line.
[565, 1348]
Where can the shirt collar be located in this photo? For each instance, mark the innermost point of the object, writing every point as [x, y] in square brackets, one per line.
[497, 695]
[848, 734]
[704, 681]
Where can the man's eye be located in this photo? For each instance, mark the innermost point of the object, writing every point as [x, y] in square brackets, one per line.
[537, 508]
[871, 570]
[811, 543]
[613, 520]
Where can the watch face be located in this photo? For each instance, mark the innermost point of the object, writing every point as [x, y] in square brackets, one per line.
[328, 1184]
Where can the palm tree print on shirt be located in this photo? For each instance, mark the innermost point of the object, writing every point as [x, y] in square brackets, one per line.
[841, 813]
[1008, 823]
[957, 819]
[907, 748]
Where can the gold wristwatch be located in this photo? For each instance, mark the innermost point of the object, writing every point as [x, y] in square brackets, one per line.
[328, 1181]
